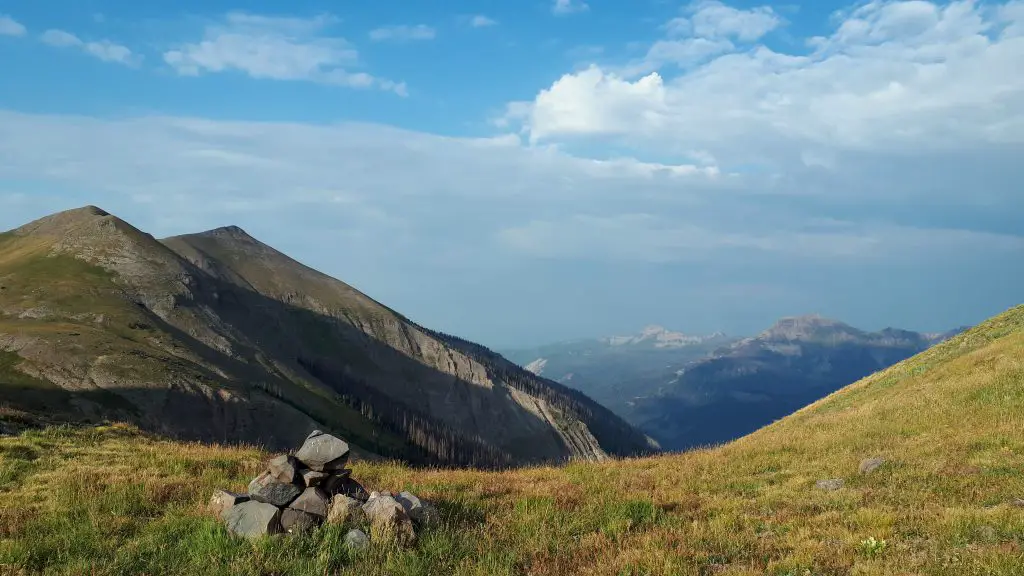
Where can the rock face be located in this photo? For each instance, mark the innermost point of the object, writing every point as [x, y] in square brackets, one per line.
[253, 519]
[292, 496]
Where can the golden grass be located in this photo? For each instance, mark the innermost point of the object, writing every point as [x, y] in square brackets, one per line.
[949, 422]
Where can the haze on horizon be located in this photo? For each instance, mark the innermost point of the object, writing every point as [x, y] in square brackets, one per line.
[532, 172]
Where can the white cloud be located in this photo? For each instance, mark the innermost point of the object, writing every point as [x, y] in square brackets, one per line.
[263, 47]
[562, 7]
[481, 21]
[403, 32]
[893, 77]
[103, 49]
[713, 19]
[11, 27]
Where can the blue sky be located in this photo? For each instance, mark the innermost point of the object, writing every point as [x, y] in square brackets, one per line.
[523, 172]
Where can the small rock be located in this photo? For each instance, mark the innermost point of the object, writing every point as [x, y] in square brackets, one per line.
[388, 521]
[869, 465]
[299, 522]
[277, 493]
[284, 469]
[312, 501]
[833, 484]
[322, 452]
[222, 501]
[311, 478]
[421, 512]
[260, 481]
[357, 540]
[253, 519]
[345, 510]
[1018, 502]
[345, 485]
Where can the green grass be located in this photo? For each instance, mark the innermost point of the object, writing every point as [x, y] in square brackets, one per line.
[950, 423]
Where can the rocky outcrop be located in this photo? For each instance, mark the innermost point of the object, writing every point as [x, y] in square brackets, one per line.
[297, 493]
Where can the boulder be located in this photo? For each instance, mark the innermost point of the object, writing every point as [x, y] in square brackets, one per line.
[389, 521]
[345, 485]
[311, 501]
[869, 465]
[421, 512]
[312, 478]
[345, 510]
[322, 452]
[357, 540]
[284, 469]
[253, 519]
[262, 480]
[299, 522]
[222, 501]
[830, 485]
[277, 493]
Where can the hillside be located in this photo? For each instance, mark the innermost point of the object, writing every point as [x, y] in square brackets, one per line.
[216, 336]
[755, 381]
[946, 501]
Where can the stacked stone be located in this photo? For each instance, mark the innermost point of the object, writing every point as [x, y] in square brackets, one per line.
[297, 493]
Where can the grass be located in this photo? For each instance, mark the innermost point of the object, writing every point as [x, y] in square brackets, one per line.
[949, 422]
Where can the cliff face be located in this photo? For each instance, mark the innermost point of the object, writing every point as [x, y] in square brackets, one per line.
[217, 336]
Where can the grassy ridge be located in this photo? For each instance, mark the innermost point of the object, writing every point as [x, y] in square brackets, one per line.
[950, 423]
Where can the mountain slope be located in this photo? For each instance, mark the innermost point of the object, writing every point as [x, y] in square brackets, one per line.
[947, 501]
[615, 370]
[758, 380]
[217, 336]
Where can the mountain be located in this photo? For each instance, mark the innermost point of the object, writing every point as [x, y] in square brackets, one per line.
[947, 499]
[616, 369]
[752, 382]
[216, 336]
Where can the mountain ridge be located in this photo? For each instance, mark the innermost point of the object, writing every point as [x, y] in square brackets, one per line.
[254, 335]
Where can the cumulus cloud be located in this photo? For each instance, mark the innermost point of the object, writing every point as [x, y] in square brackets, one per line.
[563, 7]
[276, 48]
[103, 49]
[892, 78]
[11, 27]
[403, 32]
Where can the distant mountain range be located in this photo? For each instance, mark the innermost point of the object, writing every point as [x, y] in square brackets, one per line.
[687, 391]
[216, 336]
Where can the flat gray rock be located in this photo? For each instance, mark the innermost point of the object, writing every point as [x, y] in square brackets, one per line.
[323, 452]
[284, 469]
[357, 540]
[222, 501]
[421, 512]
[253, 519]
[869, 465]
[311, 478]
[830, 485]
[277, 493]
[312, 501]
[299, 522]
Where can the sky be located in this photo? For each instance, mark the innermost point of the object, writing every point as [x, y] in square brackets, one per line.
[526, 171]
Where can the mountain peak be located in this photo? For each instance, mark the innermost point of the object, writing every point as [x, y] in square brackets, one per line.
[807, 327]
[232, 231]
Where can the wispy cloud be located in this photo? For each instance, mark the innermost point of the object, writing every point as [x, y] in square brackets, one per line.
[11, 27]
[481, 21]
[276, 48]
[403, 32]
[563, 7]
[103, 49]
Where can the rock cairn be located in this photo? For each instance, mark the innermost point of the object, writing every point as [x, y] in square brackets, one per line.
[297, 493]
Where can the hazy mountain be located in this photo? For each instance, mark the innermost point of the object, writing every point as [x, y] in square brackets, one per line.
[218, 336]
[616, 369]
[755, 381]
